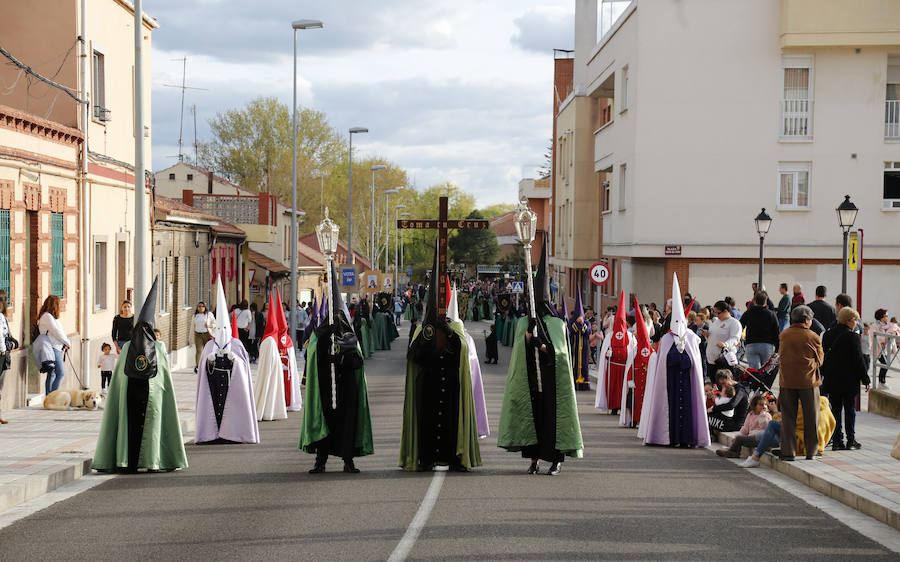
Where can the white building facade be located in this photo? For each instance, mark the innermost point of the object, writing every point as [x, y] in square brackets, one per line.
[719, 109]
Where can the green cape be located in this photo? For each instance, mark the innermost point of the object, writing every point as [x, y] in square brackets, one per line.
[510, 325]
[365, 338]
[516, 418]
[381, 331]
[162, 446]
[314, 428]
[466, 434]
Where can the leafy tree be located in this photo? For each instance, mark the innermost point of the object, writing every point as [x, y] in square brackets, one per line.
[474, 246]
[497, 209]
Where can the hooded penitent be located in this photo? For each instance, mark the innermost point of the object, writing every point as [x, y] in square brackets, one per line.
[439, 426]
[579, 344]
[292, 398]
[477, 384]
[644, 361]
[269, 388]
[225, 408]
[616, 356]
[674, 410]
[540, 420]
[336, 418]
[140, 426]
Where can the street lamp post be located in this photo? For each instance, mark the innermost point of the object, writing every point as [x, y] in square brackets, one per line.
[846, 213]
[396, 246]
[295, 25]
[351, 258]
[763, 223]
[387, 238]
[401, 241]
[327, 234]
[321, 175]
[526, 223]
[375, 168]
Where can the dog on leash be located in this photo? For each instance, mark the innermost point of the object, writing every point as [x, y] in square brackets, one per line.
[67, 399]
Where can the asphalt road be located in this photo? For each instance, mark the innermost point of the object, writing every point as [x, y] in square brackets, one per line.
[622, 502]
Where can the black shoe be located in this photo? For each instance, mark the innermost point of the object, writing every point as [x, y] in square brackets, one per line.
[533, 469]
[195, 370]
[554, 469]
[318, 469]
[349, 468]
[838, 446]
[458, 468]
[854, 444]
[776, 452]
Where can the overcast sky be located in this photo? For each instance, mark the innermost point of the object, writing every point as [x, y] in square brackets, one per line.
[455, 91]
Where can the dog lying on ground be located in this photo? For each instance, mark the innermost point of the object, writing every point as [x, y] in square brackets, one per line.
[66, 399]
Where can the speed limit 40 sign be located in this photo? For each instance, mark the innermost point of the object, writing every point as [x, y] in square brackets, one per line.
[599, 274]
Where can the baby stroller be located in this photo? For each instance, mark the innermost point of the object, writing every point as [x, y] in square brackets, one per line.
[759, 380]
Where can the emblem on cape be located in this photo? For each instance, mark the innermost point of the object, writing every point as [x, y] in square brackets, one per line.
[645, 352]
[283, 341]
[384, 302]
[619, 335]
[140, 363]
[428, 332]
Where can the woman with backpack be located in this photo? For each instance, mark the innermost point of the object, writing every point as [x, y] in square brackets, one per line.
[50, 344]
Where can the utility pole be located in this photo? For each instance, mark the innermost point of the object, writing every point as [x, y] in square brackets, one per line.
[141, 217]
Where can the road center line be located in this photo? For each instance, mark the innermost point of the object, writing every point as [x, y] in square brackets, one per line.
[418, 522]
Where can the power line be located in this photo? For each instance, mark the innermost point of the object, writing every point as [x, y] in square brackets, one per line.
[31, 72]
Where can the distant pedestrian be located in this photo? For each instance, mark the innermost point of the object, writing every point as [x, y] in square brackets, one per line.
[398, 309]
[50, 346]
[784, 308]
[302, 321]
[884, 347]
[244, 317]
[490, 343]
[822, 310]
[761, 339]
[7, 344]
[797, 299]
[202, 325]
[844, 370]
[123, 323]
[106, 363]
[799, 379]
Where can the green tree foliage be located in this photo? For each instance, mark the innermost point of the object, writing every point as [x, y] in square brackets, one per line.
[493, 211]
[473, 247]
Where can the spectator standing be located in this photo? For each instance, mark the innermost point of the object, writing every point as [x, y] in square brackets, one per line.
[53, 335]
[7, 344]
[302, 322]
[244, 318]
[106, 363]
[398, 309]
[797, 299]
[865, 342]
[783, 312]
[732, 308]
[822, 310]
[755, 288]
[202, 324]
[799, 379]
[761, 339]
[844, 370]
[122, 325]
[883, 346]
[724, 331]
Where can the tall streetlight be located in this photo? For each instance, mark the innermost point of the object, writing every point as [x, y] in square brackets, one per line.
[321, 175]
[295, 25]
[396, 245]
[846, 213]
[375, 168]
[401, 240]
[351, 258]
[763, 223]
[387, 237]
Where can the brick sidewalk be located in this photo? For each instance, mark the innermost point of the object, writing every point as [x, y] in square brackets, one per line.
[41, 450]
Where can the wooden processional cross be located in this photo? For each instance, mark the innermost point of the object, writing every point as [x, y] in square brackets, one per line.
[442, 224]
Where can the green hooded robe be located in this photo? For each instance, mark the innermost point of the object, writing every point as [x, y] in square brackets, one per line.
[466, 433]
[365, 338]
[162, 445]
[314, 427]
[517, 419]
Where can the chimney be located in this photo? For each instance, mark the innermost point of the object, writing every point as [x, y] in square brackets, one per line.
[209, 181]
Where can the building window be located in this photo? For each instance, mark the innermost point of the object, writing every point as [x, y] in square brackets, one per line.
[4, 254]
[891, 190]
[163, 294]
[172, 176]
[892, 99]
[99, 275]
[797, 97]
[190, 177]
[793, 185]
[99, 85]
[623, 185]
[56, 255]
[201, 288]
[624, 94]
[605, 191]
[186, 296]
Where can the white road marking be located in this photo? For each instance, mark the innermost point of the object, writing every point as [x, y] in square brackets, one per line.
[44, 501]
[418, 522]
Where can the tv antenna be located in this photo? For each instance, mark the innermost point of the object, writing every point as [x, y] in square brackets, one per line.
[181, 119]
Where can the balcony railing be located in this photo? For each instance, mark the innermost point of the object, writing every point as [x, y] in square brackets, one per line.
[796, 118]
[892, 119]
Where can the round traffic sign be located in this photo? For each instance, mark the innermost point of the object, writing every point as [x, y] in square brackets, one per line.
[599, 274]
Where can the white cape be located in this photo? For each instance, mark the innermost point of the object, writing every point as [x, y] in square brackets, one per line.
[601, 402]
[269, 387]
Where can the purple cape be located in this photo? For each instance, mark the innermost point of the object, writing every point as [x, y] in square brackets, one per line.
[239, 417]
[655, 416]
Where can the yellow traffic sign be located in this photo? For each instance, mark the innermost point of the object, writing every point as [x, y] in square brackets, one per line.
[853, 252]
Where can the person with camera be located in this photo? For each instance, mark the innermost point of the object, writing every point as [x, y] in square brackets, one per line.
[7, 344]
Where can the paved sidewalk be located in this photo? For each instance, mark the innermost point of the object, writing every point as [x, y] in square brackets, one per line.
[41, 450]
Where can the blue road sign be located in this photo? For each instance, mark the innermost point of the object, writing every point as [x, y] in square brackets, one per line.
[518, 287]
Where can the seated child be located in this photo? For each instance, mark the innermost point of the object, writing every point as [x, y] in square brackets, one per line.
[751, 432]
